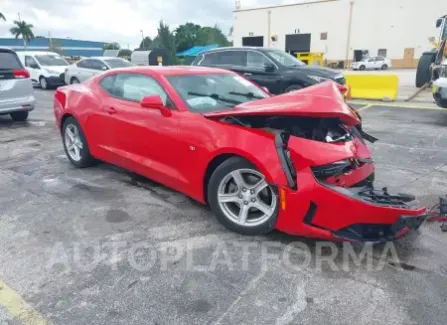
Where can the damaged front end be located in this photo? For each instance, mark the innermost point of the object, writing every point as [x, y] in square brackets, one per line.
[345, 205]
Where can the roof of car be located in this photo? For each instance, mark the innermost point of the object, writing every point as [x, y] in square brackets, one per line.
[102, 57]
[257, 48]
[174, 70]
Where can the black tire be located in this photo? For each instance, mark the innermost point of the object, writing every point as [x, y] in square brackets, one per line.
[19, 116]
[216, 178]
[362, 67]
[384, 67]
[86, 159]
[74, 80]
[423, 73]
[43, 83]
[439, 101]
[293, 88]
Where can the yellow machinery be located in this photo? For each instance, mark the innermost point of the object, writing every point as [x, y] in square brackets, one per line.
[430, 62]
[311, 58]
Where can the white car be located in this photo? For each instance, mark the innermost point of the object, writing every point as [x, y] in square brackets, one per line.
[440, 87]
[89, 67]
[376, 63]
[46, 68]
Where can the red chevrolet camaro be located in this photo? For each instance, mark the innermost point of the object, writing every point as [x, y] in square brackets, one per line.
[296, 162]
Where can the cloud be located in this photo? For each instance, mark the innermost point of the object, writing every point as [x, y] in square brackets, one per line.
[116, 20]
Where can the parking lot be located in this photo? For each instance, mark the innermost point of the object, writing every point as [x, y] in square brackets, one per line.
[103, 246]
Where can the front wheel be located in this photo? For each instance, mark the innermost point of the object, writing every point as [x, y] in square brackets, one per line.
[74, 80]
[75, 144]
[241, 198]
[384, 67]
[43, 83]
[293, 88]
[362, 67]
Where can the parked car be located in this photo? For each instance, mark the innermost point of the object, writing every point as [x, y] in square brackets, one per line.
[276, 70]
[295, 162]
[46, 68]
[375, 63]
[16, 89]
[440, 87]
[89, 67]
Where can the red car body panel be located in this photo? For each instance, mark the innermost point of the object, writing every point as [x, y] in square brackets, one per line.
[177, 150]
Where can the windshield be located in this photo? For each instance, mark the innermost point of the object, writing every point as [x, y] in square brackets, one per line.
[215, 92]
[118, 63]
[51, 60]
[285, 58]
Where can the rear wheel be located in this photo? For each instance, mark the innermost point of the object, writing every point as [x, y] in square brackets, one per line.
[362, 67]
[74, 80]
[43, 83]
[423, 73]
[384, 67]
[241, 199]
[75, 144]
[19, 116]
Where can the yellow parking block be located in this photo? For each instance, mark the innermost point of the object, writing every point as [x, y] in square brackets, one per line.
[373, 86]
[18, 308]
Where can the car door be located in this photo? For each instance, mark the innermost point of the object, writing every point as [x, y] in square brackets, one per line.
[86, 70]
[143, 140]
[261, 70]
[370, 63]
[97, 67]
[33, 68]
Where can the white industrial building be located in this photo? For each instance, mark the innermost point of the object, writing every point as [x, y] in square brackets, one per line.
[343, 29]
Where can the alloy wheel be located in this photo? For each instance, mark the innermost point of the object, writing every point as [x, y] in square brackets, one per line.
[73, 142]
[246, 198]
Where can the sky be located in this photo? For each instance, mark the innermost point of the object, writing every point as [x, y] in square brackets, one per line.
[118, 20]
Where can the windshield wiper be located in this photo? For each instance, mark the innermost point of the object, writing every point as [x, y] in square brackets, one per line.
[248, 95]
[216, 97]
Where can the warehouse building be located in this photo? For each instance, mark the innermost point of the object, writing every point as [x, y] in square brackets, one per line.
[343, 29]
[67, 47]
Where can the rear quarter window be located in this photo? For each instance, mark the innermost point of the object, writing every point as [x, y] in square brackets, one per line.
[9, 61]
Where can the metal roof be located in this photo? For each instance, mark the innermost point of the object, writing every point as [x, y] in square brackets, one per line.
[194, 51]
[69, 47]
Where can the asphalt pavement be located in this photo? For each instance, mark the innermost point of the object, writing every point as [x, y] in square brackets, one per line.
[103, 246]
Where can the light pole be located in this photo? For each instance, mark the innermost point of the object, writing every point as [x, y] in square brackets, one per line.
[142, 36]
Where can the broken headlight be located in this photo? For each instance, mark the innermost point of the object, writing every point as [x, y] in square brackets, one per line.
[333, 169]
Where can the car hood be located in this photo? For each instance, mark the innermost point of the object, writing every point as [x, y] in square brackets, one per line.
[321, 100]
[316, 70]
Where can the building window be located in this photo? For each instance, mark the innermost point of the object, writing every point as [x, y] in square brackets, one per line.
[381, 52]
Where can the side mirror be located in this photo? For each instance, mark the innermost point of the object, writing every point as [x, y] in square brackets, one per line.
[155, 102]
[269, 67]
[104, 68]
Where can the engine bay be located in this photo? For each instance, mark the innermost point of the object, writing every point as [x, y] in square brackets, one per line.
[312, 128]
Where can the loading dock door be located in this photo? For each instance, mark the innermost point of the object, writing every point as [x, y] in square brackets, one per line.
[298, 43]
[253, 41]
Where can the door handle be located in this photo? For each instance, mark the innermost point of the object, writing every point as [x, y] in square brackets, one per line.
[111, 110]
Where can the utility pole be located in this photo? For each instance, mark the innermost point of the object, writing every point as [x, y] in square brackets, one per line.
[49, 40]
[142, 36]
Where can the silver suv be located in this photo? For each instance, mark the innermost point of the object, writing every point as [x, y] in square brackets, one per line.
[16, 89]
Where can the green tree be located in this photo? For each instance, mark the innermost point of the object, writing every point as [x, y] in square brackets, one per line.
[22, 28]
[212, 35]
[111, 46]
[124, 53]
[2, 16]
[186, 36]
[146, 43]
[166, 40]
[55, 47]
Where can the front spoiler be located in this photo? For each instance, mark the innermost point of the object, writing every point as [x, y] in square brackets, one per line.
[378, 233]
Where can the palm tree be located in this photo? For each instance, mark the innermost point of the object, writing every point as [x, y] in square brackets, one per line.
[2, 16]
[23, 29]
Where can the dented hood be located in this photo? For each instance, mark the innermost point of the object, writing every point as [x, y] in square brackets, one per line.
[321, 100]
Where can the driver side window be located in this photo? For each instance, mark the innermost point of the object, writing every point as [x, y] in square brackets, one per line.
[256, 60]
[134, 87]
[30, 62]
